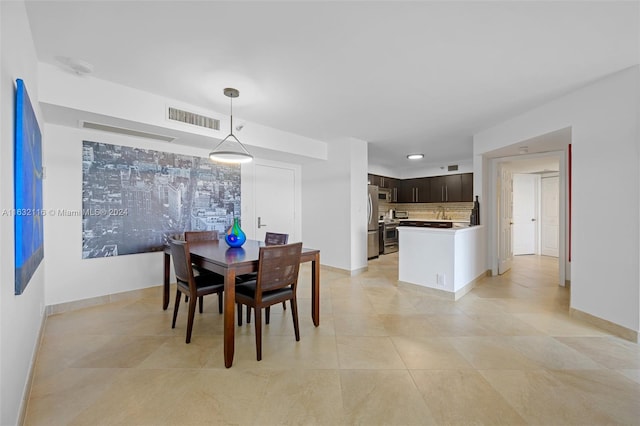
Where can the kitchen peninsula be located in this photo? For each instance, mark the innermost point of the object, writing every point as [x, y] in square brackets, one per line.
[447, 260]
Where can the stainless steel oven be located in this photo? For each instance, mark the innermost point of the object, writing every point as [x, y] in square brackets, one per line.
[390, 236]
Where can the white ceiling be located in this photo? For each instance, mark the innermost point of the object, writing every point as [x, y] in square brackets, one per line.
[404, 76]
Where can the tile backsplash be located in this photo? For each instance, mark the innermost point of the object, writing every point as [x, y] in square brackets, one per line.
[460, 212]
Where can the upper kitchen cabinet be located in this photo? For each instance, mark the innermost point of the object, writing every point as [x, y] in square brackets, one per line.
[439, 189]
[467, 187]
[452, 188]
[393, 185]
[415, 191]
[384, 182]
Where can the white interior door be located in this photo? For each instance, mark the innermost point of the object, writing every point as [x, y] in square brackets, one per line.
[505, 219]
[525, 213]
[275, 201]
[550, 216]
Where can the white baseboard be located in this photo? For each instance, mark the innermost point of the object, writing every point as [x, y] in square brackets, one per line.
[613, 328]
[449, 295]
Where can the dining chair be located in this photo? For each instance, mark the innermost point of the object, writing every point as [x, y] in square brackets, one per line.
[191, 236]
[200, 235]
[191, 285]
[270, 239]
[275, 239]
[277, 281]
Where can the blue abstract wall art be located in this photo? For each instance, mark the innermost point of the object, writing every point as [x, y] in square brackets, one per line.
[29, 241]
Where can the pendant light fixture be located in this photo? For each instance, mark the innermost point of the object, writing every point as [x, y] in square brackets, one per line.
[230, 153]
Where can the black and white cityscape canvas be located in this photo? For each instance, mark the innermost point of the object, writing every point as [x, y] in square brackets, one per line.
[133, 199]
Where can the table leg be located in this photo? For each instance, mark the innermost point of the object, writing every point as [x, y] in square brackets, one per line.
[315, 290]
[165, 290]
[229, 316]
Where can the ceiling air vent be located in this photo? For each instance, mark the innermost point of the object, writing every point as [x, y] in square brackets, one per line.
[452, 168]
[123, 131]
[176, 114]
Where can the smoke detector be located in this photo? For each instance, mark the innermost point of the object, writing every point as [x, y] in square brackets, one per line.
[75, 65]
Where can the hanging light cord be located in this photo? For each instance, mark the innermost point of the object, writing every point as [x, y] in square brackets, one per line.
[231, 135]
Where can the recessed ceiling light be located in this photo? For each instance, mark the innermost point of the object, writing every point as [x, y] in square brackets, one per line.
[415, 156]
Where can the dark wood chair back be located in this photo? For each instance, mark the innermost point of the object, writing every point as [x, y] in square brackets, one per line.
[192, 286]
[275, 239]
[276, 282]
[200, 235]
[182, 262]
[278, 267]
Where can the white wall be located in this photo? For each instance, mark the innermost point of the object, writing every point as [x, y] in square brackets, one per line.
[69, 277]
[67, 91]
[20, 316]
[63, 234]
[334, 196]
[66, 98]
[604, 121]
[464, 166]
[427, 170]
[359, 194]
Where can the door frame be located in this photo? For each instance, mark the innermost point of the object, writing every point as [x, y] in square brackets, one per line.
[494, 212]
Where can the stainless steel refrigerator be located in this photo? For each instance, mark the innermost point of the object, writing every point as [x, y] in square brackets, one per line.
[372, 226]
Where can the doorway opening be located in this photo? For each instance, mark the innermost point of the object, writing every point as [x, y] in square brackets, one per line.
[527, 207]
[536, 208]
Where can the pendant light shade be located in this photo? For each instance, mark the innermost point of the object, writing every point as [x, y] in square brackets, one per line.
[230, 149]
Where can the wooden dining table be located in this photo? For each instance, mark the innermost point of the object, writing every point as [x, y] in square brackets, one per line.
[230, 262]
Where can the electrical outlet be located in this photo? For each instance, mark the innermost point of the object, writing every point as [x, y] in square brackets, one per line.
[440, 280]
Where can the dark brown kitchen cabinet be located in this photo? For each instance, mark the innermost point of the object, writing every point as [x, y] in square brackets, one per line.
[452, 188]
[415, 191]
[467, 187]
[438, 189]
[383, 182]
[406, 192]
[379, 181]
[446, 189]
[394, 187]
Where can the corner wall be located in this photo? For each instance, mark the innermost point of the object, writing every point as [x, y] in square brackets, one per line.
[605, 172]
[20, 316]
[334, 205]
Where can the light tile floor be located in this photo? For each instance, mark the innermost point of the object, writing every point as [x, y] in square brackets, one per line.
[506, 353]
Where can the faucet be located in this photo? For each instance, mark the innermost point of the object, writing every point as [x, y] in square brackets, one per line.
[440, 212]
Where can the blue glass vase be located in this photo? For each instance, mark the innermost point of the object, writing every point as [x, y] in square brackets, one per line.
[235, 236]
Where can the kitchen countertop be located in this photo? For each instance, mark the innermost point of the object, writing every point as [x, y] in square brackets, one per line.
[456, 224]
[435, 220]
[452, 230]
